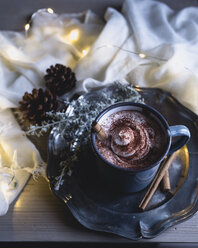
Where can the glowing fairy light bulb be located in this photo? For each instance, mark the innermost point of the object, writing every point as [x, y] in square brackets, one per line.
[142, 55]
[27, 27]
[50, 10]
[74, 35]
[85, 52]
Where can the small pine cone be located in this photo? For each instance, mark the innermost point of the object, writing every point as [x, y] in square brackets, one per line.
[60, 79]
[34, 106]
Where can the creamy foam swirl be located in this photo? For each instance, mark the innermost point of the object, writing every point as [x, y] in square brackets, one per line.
[133, 139]
[129, 139]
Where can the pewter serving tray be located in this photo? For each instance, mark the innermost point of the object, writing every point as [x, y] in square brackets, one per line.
[98, 208]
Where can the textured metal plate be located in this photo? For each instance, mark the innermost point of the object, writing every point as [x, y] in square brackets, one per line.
[98, 208]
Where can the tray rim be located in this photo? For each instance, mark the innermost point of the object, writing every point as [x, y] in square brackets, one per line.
[186, 213]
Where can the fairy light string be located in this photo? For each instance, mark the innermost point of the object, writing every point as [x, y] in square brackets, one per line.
[74, 35]
[27, 26]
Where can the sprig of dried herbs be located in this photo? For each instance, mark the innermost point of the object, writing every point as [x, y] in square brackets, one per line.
[74, 123]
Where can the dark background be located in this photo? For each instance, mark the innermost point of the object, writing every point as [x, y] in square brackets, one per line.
[15, 13]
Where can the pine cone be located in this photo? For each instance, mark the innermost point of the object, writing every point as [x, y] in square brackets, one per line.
[60, 79]
[34, 106]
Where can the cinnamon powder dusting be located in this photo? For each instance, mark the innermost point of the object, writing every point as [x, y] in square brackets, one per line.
[134, 140]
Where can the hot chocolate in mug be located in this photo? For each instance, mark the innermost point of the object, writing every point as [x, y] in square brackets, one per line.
[137, 139]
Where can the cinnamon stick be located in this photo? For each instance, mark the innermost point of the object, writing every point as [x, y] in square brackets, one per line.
[156, 181]
[166, 182]
[99, 130]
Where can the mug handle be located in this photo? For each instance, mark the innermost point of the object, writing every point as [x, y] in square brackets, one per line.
[179, 130]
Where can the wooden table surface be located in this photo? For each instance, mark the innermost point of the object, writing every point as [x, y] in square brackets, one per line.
[37, 215]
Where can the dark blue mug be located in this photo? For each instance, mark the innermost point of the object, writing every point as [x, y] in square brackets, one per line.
[129, 180]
